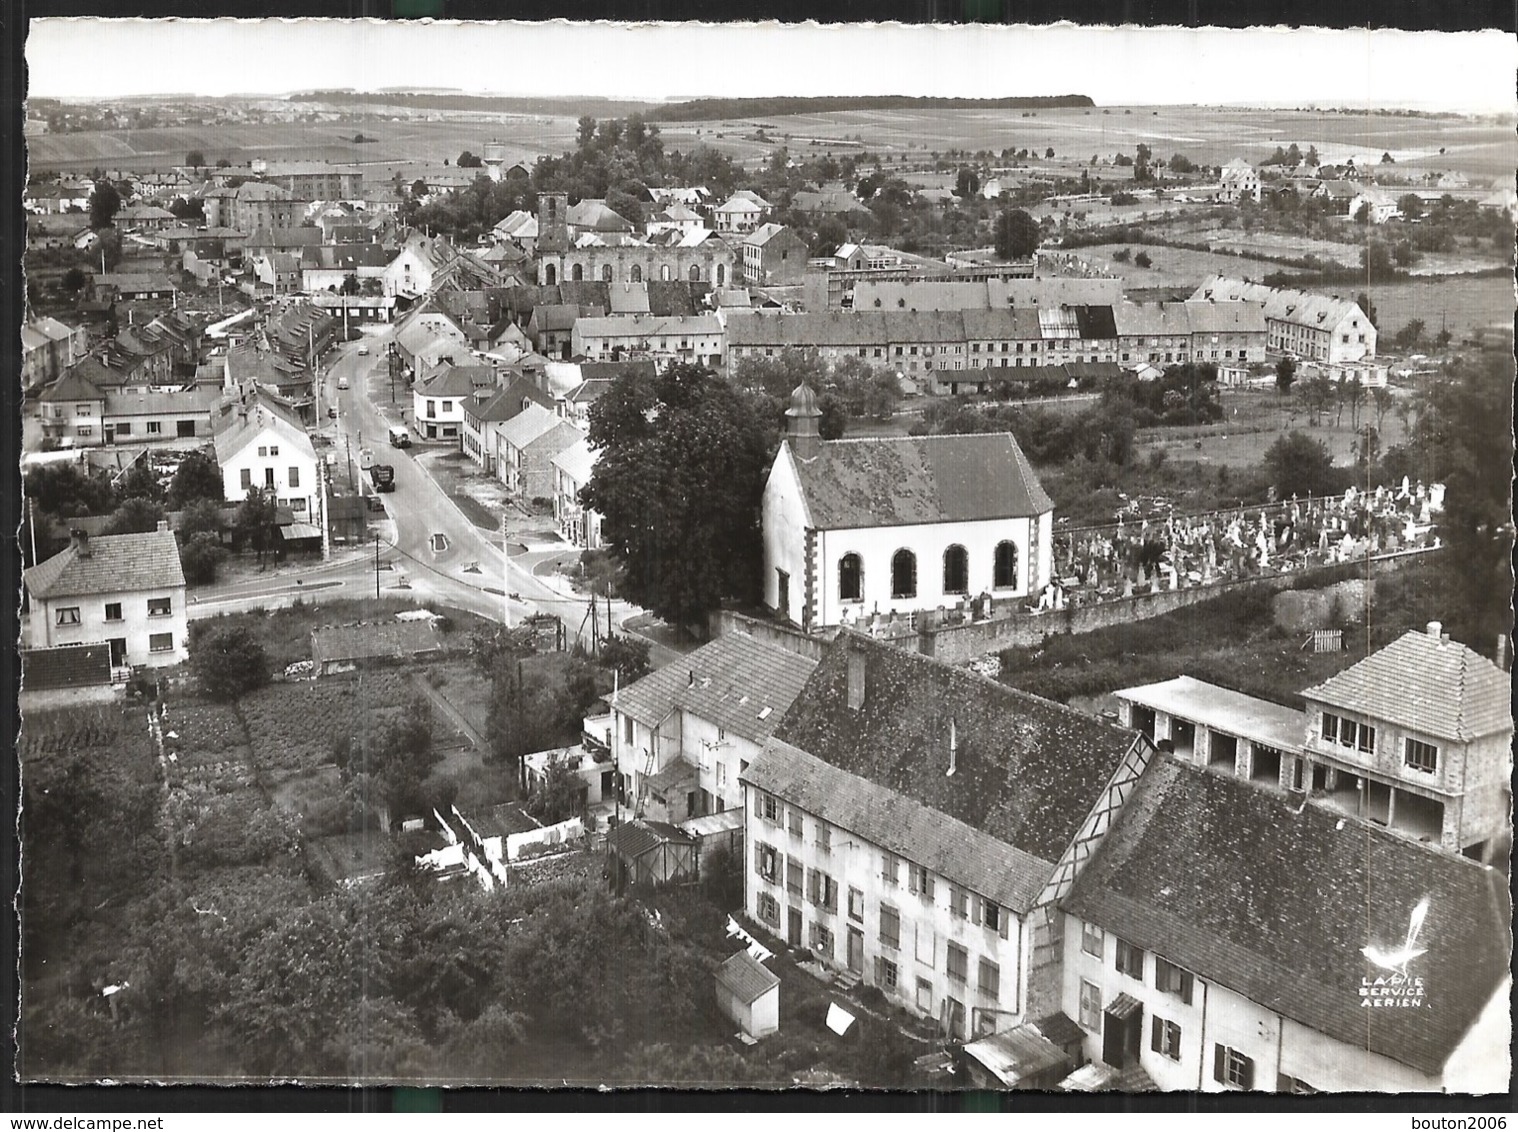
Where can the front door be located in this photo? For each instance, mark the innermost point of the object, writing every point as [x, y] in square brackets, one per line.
[607, 784]
[118, 651]
[793, 926]
[856, 951]
[1121, 1037]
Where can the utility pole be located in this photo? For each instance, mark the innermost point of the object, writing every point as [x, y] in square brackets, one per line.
[594, 632]
[326, 514]
[376, 565]
[348, 446]
[505, 573]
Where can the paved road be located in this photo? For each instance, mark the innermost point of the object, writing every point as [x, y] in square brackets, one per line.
[466, 568]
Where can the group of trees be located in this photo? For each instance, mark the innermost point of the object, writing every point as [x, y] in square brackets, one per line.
[135, 502]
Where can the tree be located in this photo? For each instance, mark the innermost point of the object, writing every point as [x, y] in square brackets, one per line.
[1410, 335]
[1016, 234]
[223, 163]
[227, 662]
[585, 131]
[1410, 205]
[1364, 303]
[197, 478]
[256, 523]
[195, 159]
[200, 557]
[1180, 163]
[967, 184]
[1316, 395]
[680, 498]
[1049, 153]
[105, 202]
[560, 795]
[188, 208]
[835, 417]
[418, 189]
[74, 280]
[135, 516]
[626, 655]
[1297, 464]
[1388, 159]
[1142, 260]
[1123, 255]
[469, 160]
[1286, 375]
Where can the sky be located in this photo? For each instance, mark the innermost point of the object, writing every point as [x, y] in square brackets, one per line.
[1136, 66]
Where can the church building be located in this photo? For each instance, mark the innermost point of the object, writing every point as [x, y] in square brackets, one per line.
[882, 525]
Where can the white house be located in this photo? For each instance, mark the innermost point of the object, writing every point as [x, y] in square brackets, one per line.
[1225, 938]
[674, 218]
[438, 403]
[1310, 326]
[410, 273]
[126, 590]
[683, 734]
[915, 825]
[259, 445]
[572, 469]
[697, 338]
[1380, 206]
[739, 214]
[856, 528]
[1238, 181]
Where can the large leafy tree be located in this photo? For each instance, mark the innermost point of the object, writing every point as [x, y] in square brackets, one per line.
[683, 458]
[105, 202]
[1016, 235]
[227, 661]
[1297, 464]
[198, 477]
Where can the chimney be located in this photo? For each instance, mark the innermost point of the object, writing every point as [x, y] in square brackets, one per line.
[856, 679]
[79, 539]
[1435, 630]
[163, 525]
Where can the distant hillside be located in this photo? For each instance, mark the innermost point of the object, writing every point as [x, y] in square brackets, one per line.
[710, 109]
[500, 104]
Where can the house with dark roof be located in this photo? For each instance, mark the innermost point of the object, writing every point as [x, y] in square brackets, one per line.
[1223, 938]
[881, 526]
[526, 445]
[773, 256]
[650, 854]
[73, 407]
[1302, 324]
[699, 723]
[125, 590]
[915, 825]
[66, 676]
[1417, 737]
[342, 648]
[438, 399]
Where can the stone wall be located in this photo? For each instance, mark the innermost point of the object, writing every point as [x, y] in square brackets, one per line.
[726, 621]
[957, 644]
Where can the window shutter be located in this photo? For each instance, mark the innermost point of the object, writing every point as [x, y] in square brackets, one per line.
[811, 886]
[975, 909]
[1156, 1028]
[758, 804]
[758, 858]
[1219, 1057]
[1006, 914]
[1186, 983]
[1248, 1075]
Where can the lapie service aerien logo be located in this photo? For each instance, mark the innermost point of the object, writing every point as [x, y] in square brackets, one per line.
[1392, 986]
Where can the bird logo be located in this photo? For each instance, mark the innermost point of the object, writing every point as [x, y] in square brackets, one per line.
[1398, 959]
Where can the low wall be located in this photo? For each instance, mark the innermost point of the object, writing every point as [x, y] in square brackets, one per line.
[725, 621]
[957, 644]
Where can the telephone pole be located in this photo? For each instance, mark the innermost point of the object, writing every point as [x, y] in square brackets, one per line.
[376, 565]
[505, 573]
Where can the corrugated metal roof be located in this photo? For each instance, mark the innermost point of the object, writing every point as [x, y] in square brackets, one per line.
[1424, 684]
[745, 978]
[1017, 1054]
[1181, 874]
[905, 481]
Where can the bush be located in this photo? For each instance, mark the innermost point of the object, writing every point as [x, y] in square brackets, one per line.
[201, 556]
[1142, 260]
[228, 662]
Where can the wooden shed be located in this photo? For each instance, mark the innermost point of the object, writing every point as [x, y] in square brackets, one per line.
[650, 854]
[749, 993]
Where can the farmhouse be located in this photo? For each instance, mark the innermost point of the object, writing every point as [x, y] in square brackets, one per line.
[125, 590]
[855, 529]
[1208, 964]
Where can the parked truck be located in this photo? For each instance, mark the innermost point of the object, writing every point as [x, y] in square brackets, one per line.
[383, 476]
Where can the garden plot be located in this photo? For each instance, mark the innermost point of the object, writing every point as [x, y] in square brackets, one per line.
[207, 746]
[293, 726]
[50, 739]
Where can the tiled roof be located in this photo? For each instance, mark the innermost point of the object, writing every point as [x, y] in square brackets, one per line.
[729, 682]
[234, 430]
[904, 481]
[902, 825]
[507, 403]
[114, 564]
[578, 461]
[72, 386]
[200, 399]
[634, 838]
[457, 381]
[745, 978]
[1183, 873]
[531, 423]
[65, 666]
[648, 325]
[1026, 771]
[1419, 682]
[595, 215]
[1300, 308]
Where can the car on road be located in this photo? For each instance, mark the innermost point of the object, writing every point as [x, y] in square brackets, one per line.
[342, 383]
[363, 349]
[400, 437]
[332, 412]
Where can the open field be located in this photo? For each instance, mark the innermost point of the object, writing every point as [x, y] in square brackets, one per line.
[1459, 303]
[1171, 267]
[1211, 136]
